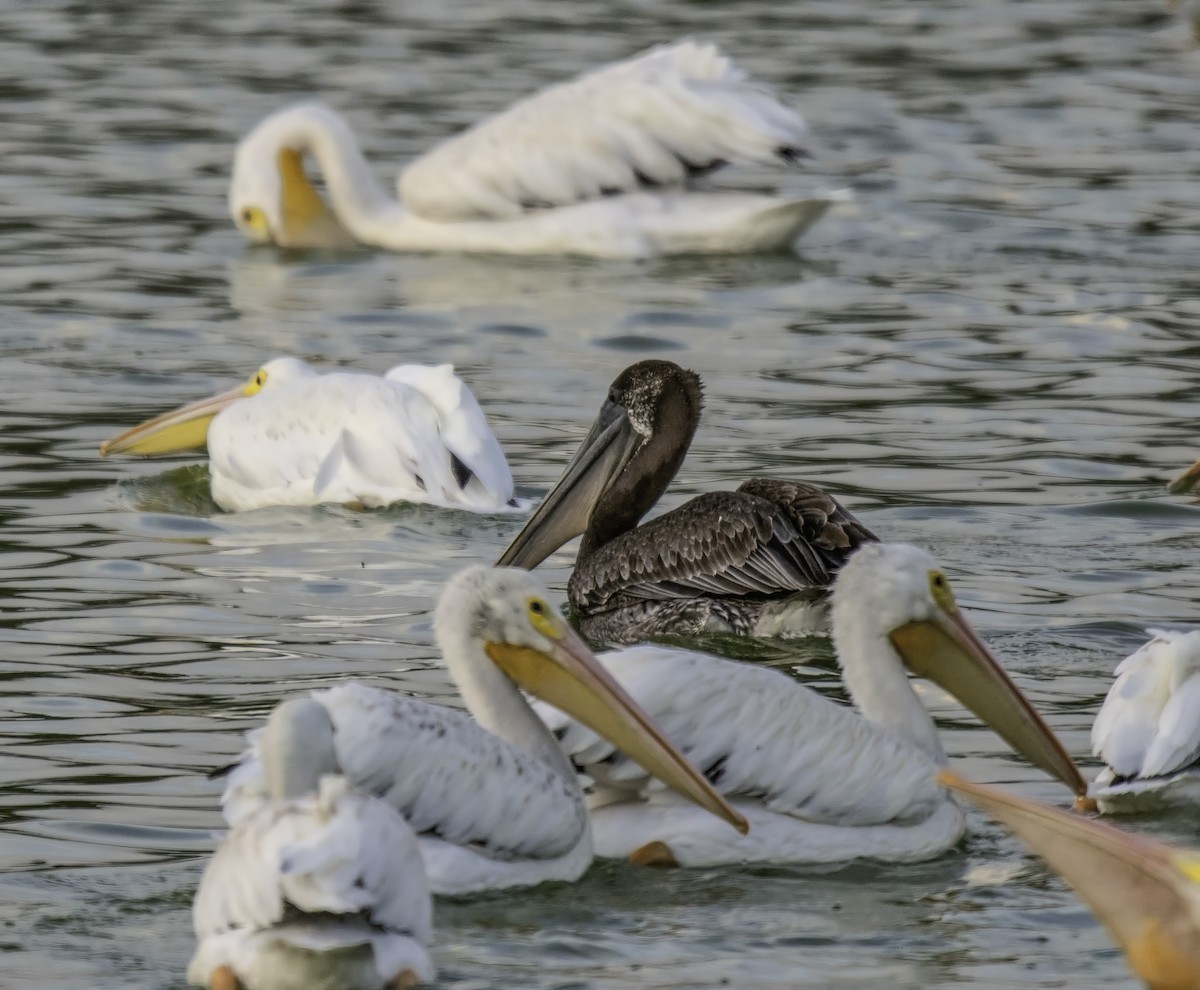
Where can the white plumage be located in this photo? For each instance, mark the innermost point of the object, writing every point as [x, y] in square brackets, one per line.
[321, 886]
[495, 801]
[603, 165]
[818, 781]
[1148, 729]
[489, 813]
[296, 437]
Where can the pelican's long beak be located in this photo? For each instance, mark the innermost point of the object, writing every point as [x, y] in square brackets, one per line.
[565, 511]
[1186, 481]
[1146, 894]
[307, 221]
[571, 679]
[179, 429]
[946, 650]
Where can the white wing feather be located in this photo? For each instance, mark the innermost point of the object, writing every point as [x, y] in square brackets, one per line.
[1177, 743]
[1149, 723]
[758, 734]
[336, 851]
[651, 120]
[464, 429]
[447, 776]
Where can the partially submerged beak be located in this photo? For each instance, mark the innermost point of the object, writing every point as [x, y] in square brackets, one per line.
[566, 510]
[1187, 481]
[571, 679]
[180, 429]
[946, 650]
[1143, 892]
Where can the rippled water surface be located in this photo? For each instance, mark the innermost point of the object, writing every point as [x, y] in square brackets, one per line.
[992, 351]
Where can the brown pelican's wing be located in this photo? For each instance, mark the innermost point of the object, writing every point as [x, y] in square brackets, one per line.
[769, 538]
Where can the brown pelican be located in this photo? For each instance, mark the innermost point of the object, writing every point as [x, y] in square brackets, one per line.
[758, 561]
[1145, 893]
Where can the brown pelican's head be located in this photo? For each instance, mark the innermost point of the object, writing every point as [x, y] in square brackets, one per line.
[624, 464]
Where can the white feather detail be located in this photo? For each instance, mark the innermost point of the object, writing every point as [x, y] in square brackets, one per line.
[336, 852]
[649, 120]
[759, 735]
[463, 428]
[1149, 724]
[446, 774]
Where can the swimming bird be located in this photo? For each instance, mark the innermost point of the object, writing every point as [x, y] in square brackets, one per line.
[818, 781]
[605, 165]
[291, 436]
[1148, 729]
[758, 561]
[1146, 893]
[322, 886]
[494, 800]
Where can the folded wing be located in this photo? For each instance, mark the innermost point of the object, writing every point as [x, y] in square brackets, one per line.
[652, 121]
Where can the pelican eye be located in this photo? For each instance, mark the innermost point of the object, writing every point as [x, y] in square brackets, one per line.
[255, 222]
[254, 386]
[939, 588]
[543, 619]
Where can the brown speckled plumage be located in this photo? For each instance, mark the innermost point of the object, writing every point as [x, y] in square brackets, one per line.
[719, 562]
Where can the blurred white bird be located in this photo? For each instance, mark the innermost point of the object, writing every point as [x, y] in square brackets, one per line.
[604, 165]
[1148, 729]
[320, 887]
[291, 436]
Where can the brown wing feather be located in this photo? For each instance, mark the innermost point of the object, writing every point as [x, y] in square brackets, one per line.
[770, 538]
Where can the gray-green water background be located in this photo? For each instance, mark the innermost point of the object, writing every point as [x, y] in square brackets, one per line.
[991, 352]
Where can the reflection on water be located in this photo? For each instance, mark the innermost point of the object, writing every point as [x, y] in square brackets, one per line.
[989, 351]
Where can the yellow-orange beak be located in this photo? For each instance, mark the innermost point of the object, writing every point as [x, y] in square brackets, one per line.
[570, 678]
[1187, 481]
[946, 650]
[184, 428]
[1145, 893]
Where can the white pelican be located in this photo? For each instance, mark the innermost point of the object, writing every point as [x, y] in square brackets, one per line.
[758, 561]
[291, 436]
[495, 801]
[816, 780]
[1148, 729]
[603, 165]
[322, 886]
[1145, 893]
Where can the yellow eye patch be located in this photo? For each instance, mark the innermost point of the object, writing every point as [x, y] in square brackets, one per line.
[255, 221]
[939, 588]
[543, 619]
[256, 383]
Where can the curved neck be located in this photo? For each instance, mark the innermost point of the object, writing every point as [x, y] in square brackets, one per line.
[497, 704]
[637, 489]
[879, 684]
[361, 204]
